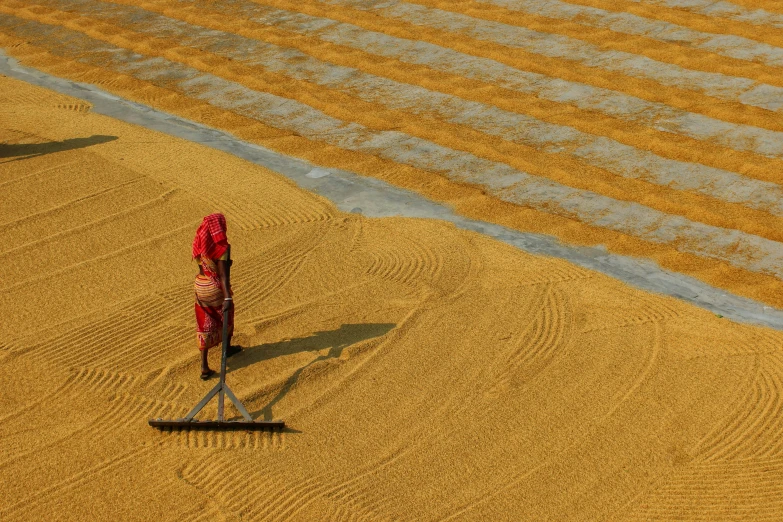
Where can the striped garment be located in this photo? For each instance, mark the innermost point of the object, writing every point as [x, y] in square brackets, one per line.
[209, 305]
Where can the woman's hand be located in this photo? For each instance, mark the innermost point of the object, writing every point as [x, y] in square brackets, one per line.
[227, 304]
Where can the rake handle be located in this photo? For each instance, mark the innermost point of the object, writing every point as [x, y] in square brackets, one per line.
[221, 393]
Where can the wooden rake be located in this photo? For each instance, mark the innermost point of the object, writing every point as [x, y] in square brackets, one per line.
[221, 389]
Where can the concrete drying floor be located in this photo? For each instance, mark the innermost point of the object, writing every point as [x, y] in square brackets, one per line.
[391, 172]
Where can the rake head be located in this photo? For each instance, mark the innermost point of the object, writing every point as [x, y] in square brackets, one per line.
[254, 425]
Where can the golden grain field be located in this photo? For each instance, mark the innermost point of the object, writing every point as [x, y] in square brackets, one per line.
[426, 373]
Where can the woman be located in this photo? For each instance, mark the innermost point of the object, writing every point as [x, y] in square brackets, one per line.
[214, 299]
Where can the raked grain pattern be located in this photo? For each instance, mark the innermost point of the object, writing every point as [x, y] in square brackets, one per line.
[427, 373]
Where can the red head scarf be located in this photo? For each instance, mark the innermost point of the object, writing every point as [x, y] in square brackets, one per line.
[211, 238]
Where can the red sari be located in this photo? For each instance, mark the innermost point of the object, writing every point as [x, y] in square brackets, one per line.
[210, 246]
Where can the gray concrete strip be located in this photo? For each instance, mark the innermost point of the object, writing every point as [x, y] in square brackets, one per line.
[613, 156]
[500, 180]
[563, 47]
[374, 198]
[721, 9]
[728, 45]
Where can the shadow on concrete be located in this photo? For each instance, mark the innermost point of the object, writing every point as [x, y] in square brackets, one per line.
[30, 150]
[335, 340]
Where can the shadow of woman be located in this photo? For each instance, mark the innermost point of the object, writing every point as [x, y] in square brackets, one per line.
[335, 340]
[31, 150]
